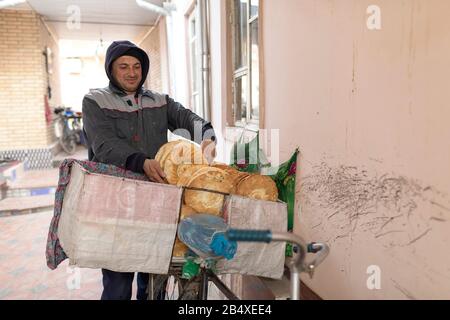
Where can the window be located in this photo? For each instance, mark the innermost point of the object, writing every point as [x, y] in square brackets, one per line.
[245, 88]
[194, 52]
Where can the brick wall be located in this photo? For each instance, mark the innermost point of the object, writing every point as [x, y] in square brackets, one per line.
[152, 45]
[23, 81]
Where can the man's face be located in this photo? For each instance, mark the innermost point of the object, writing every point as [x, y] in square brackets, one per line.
[127, 72]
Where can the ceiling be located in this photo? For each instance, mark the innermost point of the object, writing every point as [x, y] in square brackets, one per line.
[106, 19]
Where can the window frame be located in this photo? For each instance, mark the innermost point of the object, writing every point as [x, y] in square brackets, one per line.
[193, 12]
[233, 74]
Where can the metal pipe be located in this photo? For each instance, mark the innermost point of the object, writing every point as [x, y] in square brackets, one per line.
[204, 284]
[151, 287]
[300, 257]
[295, 284]
[152, 7]
[222, 287]
[322, 250]
[295, 264]
[166, 11]
[149, 31]
[203, 8]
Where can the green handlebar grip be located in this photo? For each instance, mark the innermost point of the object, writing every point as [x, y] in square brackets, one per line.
[249, 235]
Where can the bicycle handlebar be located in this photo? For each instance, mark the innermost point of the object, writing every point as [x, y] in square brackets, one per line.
[249, 235]
[267, 236]
[297, 264]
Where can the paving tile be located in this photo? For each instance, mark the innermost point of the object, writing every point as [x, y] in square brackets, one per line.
[5, 292]
[18, 271]
[39, 288]
[24, 274]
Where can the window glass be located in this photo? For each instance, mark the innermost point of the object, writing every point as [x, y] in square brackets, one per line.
[254, 48]
[241, 21]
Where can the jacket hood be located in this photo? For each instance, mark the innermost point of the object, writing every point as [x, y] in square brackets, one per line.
[126, 48]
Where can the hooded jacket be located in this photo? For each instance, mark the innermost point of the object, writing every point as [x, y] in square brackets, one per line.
[124, 130]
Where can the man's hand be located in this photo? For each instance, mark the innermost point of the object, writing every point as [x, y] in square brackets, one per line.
[209, 150]
[153, 171]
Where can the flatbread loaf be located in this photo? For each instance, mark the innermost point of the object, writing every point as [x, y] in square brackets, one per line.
[210, 179]
[259, 187]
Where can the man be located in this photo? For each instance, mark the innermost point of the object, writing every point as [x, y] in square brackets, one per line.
[125, 125]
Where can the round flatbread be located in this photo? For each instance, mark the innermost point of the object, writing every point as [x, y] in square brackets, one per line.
[186, 172]
[236, 177]
[258, 187]
[204, 201]
[186, 152]
[170, 169]
[204, 170]
[179, 249]
[176, 153]
[222, 166]
[164, 151]
[186, 211]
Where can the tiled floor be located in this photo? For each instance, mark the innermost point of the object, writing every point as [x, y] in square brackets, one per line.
[23, 270]
[25, 275]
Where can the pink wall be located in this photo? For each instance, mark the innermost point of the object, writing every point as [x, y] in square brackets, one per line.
[368, 110]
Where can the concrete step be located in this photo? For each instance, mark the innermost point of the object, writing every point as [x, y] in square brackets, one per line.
[17, 193]
[33, 183]
[23, 205]
[11, 171]
[31, 191]
[35, 179]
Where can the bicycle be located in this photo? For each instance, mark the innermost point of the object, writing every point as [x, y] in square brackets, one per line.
[197, 287]
[68, 129]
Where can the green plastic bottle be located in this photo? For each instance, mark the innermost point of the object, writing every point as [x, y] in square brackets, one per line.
[190, 269]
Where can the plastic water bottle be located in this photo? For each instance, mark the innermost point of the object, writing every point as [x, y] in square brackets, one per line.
[204, 234]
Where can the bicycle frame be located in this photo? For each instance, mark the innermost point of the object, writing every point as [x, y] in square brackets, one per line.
[156, 282]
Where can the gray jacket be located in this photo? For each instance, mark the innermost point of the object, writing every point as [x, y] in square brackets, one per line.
[118, 127]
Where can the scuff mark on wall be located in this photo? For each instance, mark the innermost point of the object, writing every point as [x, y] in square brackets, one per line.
[398, 211]
[412, 46]
[355, 54]
[403, 290]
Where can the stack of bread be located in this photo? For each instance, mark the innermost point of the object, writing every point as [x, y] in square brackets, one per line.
[185, 166]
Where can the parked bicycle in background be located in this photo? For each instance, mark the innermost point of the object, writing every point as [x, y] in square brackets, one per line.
[68, 129]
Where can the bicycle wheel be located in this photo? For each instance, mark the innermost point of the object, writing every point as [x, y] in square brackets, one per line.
[156, 289]
[189, 289]
[172, 287]
[68, 143]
